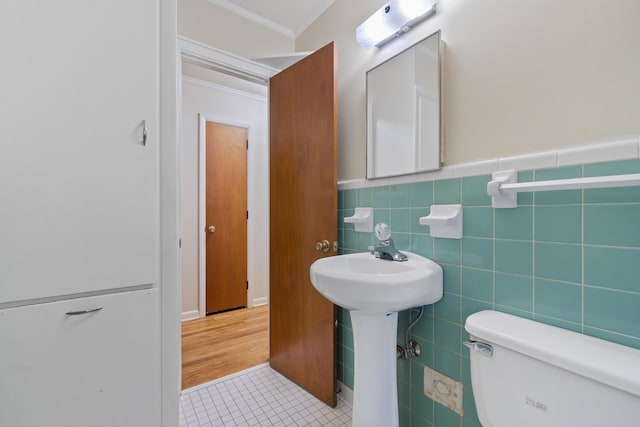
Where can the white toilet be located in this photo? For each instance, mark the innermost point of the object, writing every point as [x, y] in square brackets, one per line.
[528, 374]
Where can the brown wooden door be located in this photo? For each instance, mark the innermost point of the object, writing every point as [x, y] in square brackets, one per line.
[303, 211]
[226, 212]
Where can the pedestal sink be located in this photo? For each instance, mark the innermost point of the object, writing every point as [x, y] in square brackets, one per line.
[374, 290]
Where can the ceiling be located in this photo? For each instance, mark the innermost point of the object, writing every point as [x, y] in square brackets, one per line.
[289, 17]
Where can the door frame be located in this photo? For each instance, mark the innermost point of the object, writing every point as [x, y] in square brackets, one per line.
[202, 197]
[206, 56]
[218, 60]
[173, 50]
[214, 59]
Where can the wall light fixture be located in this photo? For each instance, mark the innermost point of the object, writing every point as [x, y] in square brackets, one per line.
[392, 20]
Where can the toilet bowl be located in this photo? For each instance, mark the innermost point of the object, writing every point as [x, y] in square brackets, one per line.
[528, 374]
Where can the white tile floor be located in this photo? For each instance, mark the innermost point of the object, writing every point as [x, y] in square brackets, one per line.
[258, 396]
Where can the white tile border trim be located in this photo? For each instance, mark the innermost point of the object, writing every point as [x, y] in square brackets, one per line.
[602, 151]
[544, 159]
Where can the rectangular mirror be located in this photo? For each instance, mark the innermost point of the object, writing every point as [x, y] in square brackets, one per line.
[403, 111]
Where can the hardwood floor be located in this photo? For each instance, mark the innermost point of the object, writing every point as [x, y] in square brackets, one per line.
[224, 343]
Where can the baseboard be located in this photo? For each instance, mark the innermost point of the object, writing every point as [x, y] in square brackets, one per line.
[260, 301]
[189, 315]
[345, 394]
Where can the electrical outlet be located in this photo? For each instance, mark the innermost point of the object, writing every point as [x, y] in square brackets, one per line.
[443, 390]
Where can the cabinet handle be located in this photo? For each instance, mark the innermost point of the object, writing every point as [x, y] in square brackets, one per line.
[144, 132]
[79, 312]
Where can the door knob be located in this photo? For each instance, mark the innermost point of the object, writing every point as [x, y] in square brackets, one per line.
[211, 229]
[323, 246]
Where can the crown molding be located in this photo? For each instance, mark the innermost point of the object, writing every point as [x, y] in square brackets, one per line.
[261, 20]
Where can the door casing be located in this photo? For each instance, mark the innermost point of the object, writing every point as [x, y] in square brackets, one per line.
[215, 59]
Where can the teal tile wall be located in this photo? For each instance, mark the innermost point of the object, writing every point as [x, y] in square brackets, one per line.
[566, 258]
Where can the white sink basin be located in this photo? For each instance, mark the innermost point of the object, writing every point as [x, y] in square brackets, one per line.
[374, 290]
[363, 282]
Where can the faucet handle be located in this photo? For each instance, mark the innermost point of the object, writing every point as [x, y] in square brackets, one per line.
[382, 232]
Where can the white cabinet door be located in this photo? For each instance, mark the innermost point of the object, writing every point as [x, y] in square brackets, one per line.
[95, 369]
[78, 189]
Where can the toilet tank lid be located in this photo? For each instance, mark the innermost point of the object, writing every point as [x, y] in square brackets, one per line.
[603, 361]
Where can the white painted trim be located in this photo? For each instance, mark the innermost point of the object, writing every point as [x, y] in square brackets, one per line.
[175, 49]
[170, 278]
[601, 151]
[202, 217]
[209, 57]
[260, 301]
[258, 19]
[346, 394]
[189, 315]
[202, 195]
[222, 88]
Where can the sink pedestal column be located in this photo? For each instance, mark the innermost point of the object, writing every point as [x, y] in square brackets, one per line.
[375, 388]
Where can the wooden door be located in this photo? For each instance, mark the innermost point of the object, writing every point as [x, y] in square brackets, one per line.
[226, 217]
[303, 211]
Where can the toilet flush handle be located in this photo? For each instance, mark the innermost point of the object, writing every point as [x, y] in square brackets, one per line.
[484, 348]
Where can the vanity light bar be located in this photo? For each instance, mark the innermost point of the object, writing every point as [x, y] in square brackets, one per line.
[392, 20]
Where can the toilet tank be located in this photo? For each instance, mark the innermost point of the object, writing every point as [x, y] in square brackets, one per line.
[528, 374]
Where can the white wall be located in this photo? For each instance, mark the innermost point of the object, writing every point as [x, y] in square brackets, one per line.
[207, 23]
[520, 76]
[228, 100]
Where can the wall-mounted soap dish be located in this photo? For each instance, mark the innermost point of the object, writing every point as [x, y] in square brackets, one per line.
[362, 219]
[444, 221]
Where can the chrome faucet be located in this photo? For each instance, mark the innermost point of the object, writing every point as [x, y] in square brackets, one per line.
[385, 249]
